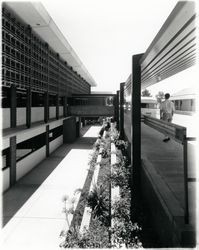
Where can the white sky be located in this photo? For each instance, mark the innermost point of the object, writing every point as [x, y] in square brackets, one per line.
[106, 33]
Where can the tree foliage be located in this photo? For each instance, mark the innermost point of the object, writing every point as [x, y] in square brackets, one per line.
[146, 92]
[160, 96]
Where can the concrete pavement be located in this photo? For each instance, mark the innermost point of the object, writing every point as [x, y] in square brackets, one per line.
[32, 209]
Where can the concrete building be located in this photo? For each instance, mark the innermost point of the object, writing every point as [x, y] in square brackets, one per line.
[185, 101]
[40, 70]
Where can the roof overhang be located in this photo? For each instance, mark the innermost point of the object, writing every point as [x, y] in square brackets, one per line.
[35, 15]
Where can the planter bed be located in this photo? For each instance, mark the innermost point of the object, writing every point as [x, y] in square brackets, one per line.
[110, 224]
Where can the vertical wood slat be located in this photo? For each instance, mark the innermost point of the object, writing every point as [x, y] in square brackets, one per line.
[121, 125]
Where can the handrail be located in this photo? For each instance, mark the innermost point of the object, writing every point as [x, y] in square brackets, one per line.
[178, 133]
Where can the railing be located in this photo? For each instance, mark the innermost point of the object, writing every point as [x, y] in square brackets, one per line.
[179, 134]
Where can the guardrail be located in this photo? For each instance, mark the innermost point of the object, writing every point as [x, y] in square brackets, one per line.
[179, 134]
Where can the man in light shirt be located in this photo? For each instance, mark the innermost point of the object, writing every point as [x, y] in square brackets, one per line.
[166, 112]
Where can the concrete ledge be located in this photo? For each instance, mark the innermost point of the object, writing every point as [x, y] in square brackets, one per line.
[166, 212]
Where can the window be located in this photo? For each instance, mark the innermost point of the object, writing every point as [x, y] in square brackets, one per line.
[29, 146]
[56, 132]
[52, 100]
[37, 99]
[5, 101]
[5, 158]
[21, 98]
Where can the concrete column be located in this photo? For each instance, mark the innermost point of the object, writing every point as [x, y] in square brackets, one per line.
[69, 130]
[12, 160]
[13, 106]
[83, 121]
[46, 107]
[78, 127]
[47, 141]
[65, 106]
[28, 107]
[57, 107]
[121, 124]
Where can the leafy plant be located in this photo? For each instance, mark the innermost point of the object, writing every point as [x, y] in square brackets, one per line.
[95, 237]
[97, 200]
[124, 232]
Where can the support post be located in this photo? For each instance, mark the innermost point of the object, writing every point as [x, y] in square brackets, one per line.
[12, 160]
[121, 125]
[47, 141]
[78, 125]
[136, 130]
[13, 106]
[65, 106]
[117, 109]
[186, 197]
[57, 107]
[28, 107]
[46, 107]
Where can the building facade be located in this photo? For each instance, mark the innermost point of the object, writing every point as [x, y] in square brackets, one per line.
[36, 82]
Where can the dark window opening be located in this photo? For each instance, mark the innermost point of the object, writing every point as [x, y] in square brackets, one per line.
[5, 99]
[37, 99]
[52, 100]
[61, 101]
[56, 132]
[29, 146]
[5, 158]
[21, 98]
[144, 105]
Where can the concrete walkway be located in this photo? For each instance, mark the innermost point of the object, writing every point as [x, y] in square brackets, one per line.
[32, 209]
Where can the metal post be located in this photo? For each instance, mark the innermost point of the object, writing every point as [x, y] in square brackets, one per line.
[186, 196]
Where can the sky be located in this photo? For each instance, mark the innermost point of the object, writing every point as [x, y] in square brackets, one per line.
[106, 33]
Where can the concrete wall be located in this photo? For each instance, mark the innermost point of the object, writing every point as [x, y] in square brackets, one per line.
[52, 112]
[55, 143]
[55, 124]
[29, 133]
[167, 221]
[29, 162]
[26, 164]
[69, 130]
[91, 110]
[5, 179]
[21, 116]
[5, 118]
[61, 111]
[127, 124]
[151, 112]
[37, 114]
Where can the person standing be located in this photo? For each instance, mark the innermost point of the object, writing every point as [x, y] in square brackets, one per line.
[167, 109]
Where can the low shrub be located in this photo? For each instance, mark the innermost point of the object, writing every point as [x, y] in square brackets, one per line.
[98, 201]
